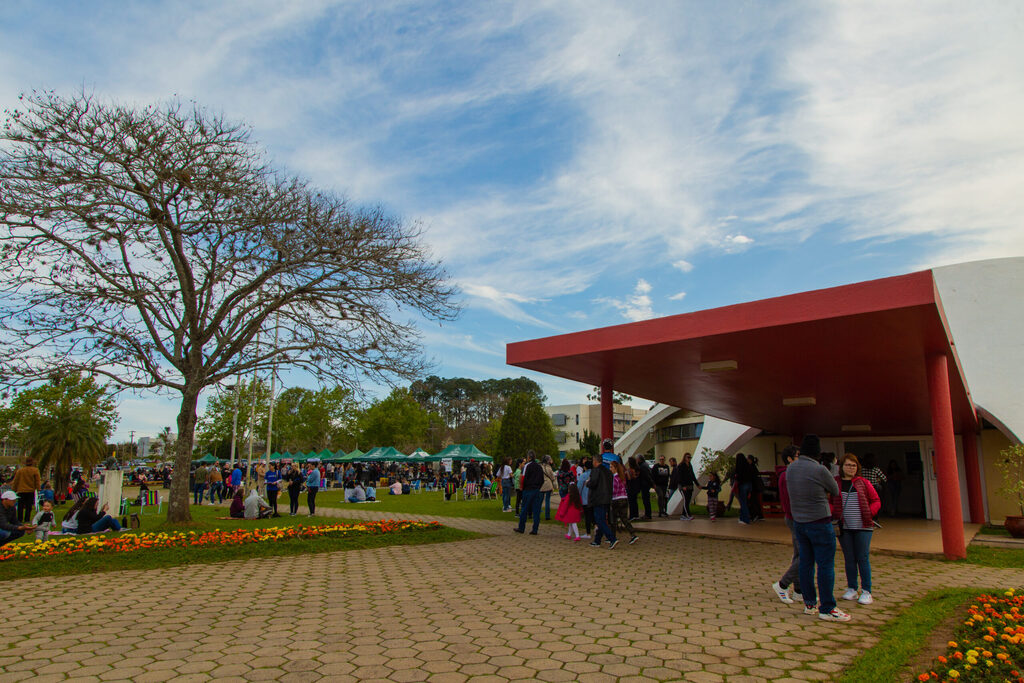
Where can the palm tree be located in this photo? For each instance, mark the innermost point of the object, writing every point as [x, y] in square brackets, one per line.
[64, 437]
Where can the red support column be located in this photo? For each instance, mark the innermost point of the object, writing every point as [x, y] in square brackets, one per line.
[953, 546]
[607, 426]
[972, 469]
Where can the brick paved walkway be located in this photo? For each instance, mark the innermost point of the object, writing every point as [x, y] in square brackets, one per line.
[497, 608]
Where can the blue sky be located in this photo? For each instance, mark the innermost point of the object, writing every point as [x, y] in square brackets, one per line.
[580, 164]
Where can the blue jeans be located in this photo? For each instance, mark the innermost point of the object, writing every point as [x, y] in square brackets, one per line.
[8, 536]
[506, 494]
[856, 545]
[217, 489]
[601, 524]
[547, 504]
[817, 541]
[744, 494]
[106, 522]
[197, 494]
[531, 504]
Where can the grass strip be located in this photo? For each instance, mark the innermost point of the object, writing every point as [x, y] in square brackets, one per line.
[172, 557]
[987, 556]
[903, 637]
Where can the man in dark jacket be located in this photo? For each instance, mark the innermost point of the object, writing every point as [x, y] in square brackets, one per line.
[646, 483]
[10, 527]
[600, 485]
[660, 474]
[533, 477]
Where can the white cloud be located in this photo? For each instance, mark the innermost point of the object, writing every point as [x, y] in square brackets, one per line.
[677, 297]
[910, 119]
[505, 304]
[683, 265]
[636, 306]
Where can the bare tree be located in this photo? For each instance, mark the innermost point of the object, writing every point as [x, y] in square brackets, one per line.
[153, 245]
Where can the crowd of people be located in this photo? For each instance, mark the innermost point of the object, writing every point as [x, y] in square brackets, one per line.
[822, 498]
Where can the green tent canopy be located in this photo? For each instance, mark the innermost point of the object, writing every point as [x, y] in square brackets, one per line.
[381, 454]
[418, 455]
[206, 459]
[354, 456]
[461, 453]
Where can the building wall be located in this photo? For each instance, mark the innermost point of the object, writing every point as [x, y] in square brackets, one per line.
[580, 417]
[991, 443]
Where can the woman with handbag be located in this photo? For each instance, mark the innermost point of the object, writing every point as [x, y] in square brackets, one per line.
[855, 507]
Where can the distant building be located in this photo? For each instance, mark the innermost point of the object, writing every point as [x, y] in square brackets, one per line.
[571, 421]
[11, 449]
[147, 447]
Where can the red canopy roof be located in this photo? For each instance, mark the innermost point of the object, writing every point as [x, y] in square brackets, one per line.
[857, 350]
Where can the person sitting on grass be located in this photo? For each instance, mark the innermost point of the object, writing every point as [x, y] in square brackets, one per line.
[92, 520]
[10, 527]
[237, 509]
[396, 488]
[69, 525]
[357, 494]
[371, 493]
[256, 507]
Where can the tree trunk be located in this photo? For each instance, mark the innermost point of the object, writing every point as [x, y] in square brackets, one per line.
[178, 501]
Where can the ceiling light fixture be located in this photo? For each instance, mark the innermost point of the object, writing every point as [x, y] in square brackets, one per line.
[719, 365]
[799, 401]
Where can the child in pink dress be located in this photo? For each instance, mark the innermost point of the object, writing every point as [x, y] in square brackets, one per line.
[570, 511]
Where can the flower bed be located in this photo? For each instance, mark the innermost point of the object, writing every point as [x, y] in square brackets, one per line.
[989, 646]
[126, 543]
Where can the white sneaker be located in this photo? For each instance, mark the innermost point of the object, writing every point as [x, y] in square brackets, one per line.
[865, 598]
[810, 609]
[850, 594]
[584, 535]
[835, 615]
[783, 593]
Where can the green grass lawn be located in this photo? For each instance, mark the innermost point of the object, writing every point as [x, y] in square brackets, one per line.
[205, 518]
[430, 503]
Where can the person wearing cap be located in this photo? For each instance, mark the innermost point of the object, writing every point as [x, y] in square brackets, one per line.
[809, 485]
[10, 527]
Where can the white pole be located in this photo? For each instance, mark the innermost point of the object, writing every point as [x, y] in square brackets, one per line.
[273, 381]
[234, 423]
[252, 415]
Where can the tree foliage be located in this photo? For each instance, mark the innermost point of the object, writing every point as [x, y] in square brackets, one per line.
[525, 425]
[591, 442]
[618, 397]
[64, 422]
[155, 246]
[462, 401]
[398, 421]
[306, 419]
[214, 430]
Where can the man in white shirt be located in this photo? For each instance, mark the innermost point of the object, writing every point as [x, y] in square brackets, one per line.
[505, 475]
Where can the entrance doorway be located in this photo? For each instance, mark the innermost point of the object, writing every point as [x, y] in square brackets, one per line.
[903, 493]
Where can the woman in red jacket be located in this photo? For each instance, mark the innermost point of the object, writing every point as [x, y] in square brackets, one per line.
[855, 509]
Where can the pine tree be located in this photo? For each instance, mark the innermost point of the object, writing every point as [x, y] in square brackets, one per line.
[525, 426]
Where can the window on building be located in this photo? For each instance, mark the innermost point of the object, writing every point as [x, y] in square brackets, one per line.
[559, 419]
[683, 431]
